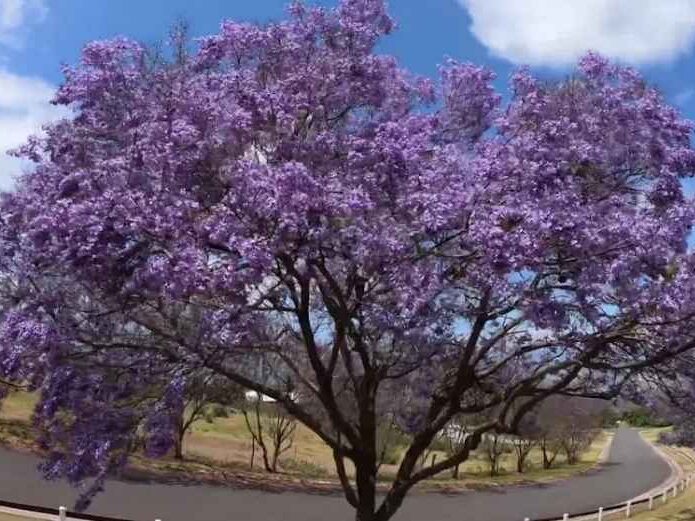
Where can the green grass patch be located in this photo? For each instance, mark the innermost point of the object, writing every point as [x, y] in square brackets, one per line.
[224, 441]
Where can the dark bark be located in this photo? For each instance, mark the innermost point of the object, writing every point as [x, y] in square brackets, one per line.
[522, 449]
[273, 433]
[549, 454]
[178, 446]
[365, 477]
[351, 431]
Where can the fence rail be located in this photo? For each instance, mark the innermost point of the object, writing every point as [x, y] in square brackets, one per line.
[628, 508]
[60, 512]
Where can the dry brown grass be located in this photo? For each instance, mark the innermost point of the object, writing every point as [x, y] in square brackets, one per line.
[18, 406]
[225, 441]
[681, 508]
[8, 517]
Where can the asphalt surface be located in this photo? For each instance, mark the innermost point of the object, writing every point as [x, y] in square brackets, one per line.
[632, 469]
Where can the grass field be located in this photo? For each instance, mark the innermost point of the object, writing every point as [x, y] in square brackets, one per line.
[18, 406]
[7, 517]
[681, 508]
[225, 441]
[652, 435]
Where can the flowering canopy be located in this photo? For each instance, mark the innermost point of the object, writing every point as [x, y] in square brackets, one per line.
[283, 192]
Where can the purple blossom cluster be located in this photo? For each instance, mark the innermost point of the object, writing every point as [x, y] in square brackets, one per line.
[285, 192]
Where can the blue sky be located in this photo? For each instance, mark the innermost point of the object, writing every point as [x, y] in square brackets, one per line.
[657, 36]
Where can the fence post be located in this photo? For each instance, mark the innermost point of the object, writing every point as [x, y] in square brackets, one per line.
[62, 513]
[651, 502]
[600, 514]
[663, 496]
[566, 517]
[628, 509]
[675, 490]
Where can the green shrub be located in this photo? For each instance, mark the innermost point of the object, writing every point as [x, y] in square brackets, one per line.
[440, 444]
[219, 411]
[304, 468]
[644, 418]
[391, 455]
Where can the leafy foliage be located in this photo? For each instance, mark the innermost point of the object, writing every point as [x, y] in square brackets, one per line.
[388, 246]
[641, 417]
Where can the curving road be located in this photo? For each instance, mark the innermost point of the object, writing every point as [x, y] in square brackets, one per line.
[632, 468]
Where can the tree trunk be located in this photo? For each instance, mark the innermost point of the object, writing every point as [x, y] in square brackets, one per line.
[547, 462]
[178, 446]
[365, 477]
[266, 461]
[366, 462]
[572, 457]
[274, 459]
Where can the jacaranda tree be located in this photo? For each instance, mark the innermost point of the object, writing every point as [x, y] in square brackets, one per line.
[386, 246]
[667, 395]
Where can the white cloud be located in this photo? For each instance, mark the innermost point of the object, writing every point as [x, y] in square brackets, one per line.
[24, 100]
[24, 108]
[16, 16]
[557, 32]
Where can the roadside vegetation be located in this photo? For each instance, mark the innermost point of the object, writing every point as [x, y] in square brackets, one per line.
[681, 508]
[8, 517]
[226, 442]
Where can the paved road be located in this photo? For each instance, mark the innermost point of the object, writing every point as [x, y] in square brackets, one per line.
[632, 468]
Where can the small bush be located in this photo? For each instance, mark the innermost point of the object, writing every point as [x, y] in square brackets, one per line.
[391, 455]
[219, 411]
[644, 418]
[304, 468]
[440, 444]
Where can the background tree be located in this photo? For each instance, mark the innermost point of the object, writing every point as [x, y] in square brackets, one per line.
[550, 444]
[193, 410]
[522, 447]
[494, 447]
[529, 434]
[579, 427]
[390, 441]
[666, 397]
[455, 435]
[284, 191]
[202, 391]
[271, 429]
[644, 417]
[575, 440]
[565, 424]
